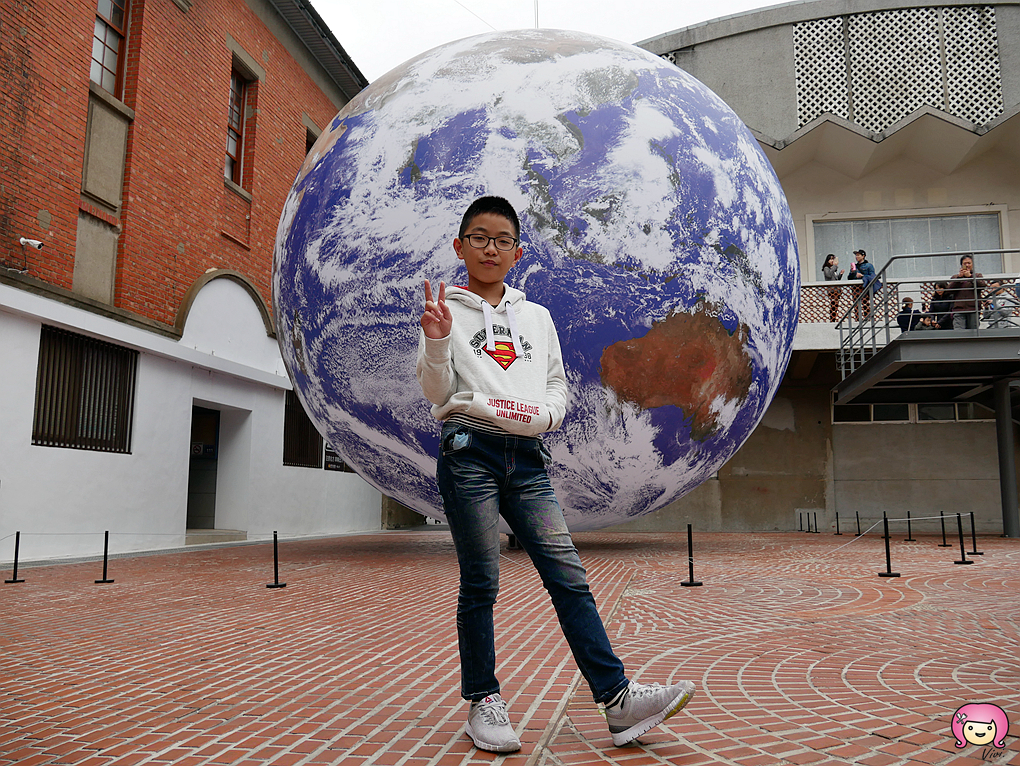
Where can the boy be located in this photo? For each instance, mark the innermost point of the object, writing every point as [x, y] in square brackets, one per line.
[490, 363]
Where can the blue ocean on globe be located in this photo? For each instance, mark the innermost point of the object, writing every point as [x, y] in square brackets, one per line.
[654, 229]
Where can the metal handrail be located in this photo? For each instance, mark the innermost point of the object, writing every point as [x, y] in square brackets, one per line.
[861, 341]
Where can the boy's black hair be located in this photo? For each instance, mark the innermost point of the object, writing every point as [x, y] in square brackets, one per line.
[965, 256]
[496, 205]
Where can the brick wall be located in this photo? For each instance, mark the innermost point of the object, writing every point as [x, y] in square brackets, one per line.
[178, 219]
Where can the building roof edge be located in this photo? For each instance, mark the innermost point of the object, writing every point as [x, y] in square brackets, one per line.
[308, 25]
[783, 14]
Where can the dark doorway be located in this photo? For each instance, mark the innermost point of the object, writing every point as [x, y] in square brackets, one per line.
[205, 442]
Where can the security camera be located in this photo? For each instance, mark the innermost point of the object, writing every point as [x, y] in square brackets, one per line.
[31, 243]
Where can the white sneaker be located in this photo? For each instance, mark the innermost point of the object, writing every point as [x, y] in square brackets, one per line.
[489, 726]
[639, 707]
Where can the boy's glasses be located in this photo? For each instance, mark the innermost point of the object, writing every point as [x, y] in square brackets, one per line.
[480, 241]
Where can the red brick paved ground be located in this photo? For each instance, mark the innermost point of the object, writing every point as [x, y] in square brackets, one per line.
[801, 653]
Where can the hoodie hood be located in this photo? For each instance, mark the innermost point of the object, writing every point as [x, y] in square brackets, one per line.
[511, 296]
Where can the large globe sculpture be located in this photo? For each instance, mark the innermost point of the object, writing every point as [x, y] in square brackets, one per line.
[654, 230]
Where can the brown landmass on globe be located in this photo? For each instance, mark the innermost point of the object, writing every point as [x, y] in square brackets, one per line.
[687, 360]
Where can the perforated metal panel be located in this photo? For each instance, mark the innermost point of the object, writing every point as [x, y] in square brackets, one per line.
[820, 65]
[973, 80]
[874, 69]
[895, 65]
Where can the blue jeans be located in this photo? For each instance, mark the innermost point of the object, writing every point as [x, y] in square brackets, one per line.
[482, 476]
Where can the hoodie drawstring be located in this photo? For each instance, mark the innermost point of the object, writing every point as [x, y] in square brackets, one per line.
[511, 318]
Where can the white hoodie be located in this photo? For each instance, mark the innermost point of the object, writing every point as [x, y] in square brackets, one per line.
[499, 368]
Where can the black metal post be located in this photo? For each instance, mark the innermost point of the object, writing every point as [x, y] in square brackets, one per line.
[942, 521]
[276, 566]
[512, 543]
[808, 514]
[690, 559]
[888, 558]
[817, 530]
[910, 535]
[837, 524]
[17, 548]
[973, 538]
[800, 522]
[106, 556]
[963, 548]
[858, 515]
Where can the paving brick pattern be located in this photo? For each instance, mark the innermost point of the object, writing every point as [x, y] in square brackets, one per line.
[801, 653]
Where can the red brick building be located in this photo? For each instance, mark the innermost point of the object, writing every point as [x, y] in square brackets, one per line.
[148, 145]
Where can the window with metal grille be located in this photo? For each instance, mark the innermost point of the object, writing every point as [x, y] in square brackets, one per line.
[85, 390]
[108, 45]
[302, 444]
[235, 127]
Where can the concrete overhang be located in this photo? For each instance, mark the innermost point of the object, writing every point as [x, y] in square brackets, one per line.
[935, 366]
[928, 137]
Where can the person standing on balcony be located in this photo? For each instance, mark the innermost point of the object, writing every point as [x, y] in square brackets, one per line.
[863, 270]
[831, 275]
[964, 288]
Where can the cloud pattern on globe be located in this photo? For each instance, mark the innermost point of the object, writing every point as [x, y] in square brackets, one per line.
[654, 230]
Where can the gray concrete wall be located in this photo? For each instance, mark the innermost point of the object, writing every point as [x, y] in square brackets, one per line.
[754, 73]
[924, 468]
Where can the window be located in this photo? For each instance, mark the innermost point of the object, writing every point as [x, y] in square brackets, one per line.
[84, 395]
[108, 45]
[302, 445]
[235, 127]
[882, 238]
[910, 413]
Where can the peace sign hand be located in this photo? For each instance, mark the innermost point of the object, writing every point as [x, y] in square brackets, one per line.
[437, 320]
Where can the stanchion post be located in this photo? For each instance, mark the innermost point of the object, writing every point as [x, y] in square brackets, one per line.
[888, 557]
[276, 566]
[973, 538]
[910, 535]
[942, 521]
[690, 559]
[858, 515]
[106, 557]
[17, 549]
[963, 547]
[837, 524]
[817, 530]
[800, 522]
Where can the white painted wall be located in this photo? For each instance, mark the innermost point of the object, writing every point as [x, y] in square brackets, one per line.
[62, 500]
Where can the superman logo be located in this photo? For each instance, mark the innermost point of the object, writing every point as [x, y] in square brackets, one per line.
[504, 353]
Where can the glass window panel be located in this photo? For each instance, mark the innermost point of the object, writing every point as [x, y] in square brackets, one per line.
[831, 237]
[851, 413]
[96, 73]
[109, 82]
[231, 145]
[891, 412]
[882, 238]
[973, 411]
[228, 169]
[97, 49]
[936, 412]
[113, 43]
[911, 235]
[105, 8]
[875, 238]
[117, 16]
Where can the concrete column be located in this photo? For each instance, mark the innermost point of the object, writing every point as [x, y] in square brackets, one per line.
[1007, 468]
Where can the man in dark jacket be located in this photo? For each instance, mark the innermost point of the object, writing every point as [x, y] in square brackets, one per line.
[965, 287]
